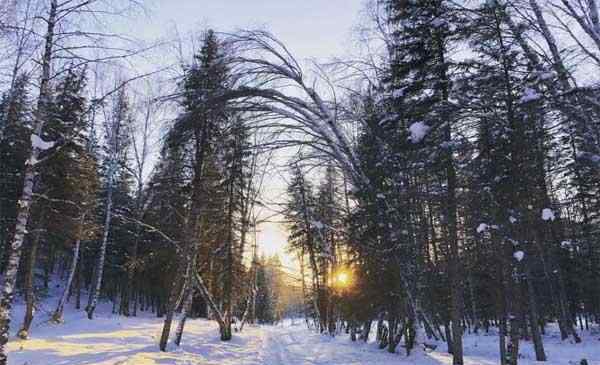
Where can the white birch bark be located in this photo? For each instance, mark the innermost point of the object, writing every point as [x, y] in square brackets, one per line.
[187, 306]
[97, 284]
[199, 283]
[58, 313]
[24, 204]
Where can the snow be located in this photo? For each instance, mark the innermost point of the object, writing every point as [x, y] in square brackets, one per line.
[482, 227]
[112, 340]
[529, 95]
[388, 118]
[565, 244]
[438, 22]
[418, 131]
[398, 93]
[32, 161]
[37, 142]
[548, 214]
[593, 158]
[547, 75]
[318, 225]
[519, 255]
[115, 340]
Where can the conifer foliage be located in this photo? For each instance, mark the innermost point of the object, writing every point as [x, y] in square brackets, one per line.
[446, 184]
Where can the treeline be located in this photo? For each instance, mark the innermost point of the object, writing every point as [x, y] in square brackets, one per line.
[476, 205]
[457, 177]
[107, 232]
[89, 213]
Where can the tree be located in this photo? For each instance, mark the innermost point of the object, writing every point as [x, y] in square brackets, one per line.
[68, 180]
[56, 37]
[118, 120]
[14, 121]
[198, 127]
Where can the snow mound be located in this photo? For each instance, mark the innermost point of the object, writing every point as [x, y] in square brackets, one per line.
[398, 93]
[519, 255]
[482, 227]
[418, 131]
[529, 95]
[37, 142]
[548, 214]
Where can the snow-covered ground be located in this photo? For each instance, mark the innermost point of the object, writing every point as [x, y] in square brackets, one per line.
[112, 340]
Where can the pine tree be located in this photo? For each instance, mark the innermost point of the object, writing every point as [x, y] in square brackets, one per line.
[421, 88]
[15, 124]
[304, 237]
[68, 178]
[198, 127]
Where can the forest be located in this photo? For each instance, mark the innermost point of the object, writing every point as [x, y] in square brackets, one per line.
[440, 183]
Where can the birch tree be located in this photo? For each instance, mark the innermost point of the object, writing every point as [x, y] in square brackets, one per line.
[58, 37]
[117, 120]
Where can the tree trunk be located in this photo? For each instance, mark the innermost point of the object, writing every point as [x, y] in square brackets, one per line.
[303, 283]
[448, 333]
[179, 287]
[135, 303]
[30, 289]
[366, 330]
[247, 311]
[513, 346]
[187, 306]
[78, 281]
[131, 270]
[379, 331]
[411, 333]
[538, 343]
[475, 314]
[23, 207]
[208, 298]
[455, 270]
[124, 302]
[228, 282]
[58, 313]
[164, 337]
[97, 283]
[502, 341]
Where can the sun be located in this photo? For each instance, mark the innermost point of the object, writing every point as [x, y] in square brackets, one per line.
[343, 278]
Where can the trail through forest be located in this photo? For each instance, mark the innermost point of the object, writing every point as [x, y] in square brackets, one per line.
[427, 194]
[116, 340]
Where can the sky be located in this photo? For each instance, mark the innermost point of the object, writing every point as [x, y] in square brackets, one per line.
[311, 29]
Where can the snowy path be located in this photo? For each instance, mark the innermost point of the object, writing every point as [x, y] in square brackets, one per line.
[133, 341]
[113, 340]
[296, 346]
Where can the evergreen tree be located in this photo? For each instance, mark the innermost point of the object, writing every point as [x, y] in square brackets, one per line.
[199, 128]
[15, 124]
